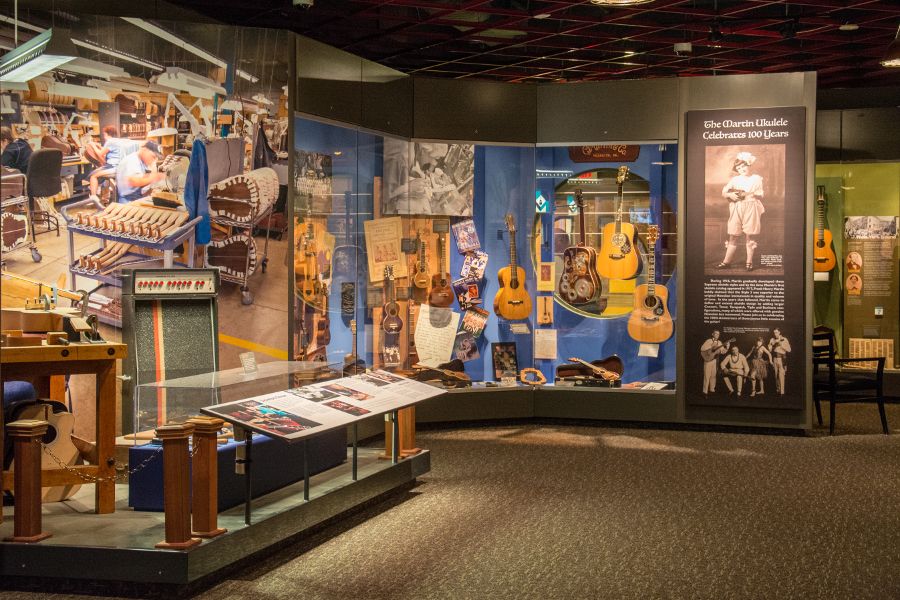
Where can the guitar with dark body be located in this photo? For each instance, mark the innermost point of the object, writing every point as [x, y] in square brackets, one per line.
[579, 283]
[391, 323]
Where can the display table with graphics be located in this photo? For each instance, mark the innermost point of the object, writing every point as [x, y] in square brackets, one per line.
[38, 364]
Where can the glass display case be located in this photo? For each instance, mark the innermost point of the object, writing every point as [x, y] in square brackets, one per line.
[486, 259]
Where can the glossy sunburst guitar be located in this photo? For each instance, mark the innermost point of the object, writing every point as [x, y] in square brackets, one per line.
[650, 321]
[618, 257]
[579, 283]
[823, 250]
[512, 301]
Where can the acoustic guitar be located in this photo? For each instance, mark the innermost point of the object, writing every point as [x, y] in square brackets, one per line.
[420, 277]
[579, 282]
[441, 295]
[306, 265]
[597, 369]
[823, 249]
[713, 352]
[512, 301]
[618, 256]
[650, 321]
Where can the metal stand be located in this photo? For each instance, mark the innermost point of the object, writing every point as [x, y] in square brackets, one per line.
[395, 441]
[246, 464]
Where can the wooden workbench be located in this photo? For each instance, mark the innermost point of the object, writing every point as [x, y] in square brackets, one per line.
[38, 364]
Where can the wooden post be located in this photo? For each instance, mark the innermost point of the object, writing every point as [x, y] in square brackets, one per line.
[205, 477]
[407, 419]
[176, 485]
[26, 435]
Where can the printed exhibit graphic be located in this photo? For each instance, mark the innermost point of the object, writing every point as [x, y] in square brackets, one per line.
[746, 198]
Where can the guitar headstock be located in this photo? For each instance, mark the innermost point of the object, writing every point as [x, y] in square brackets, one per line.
[578, 198]
[389, 272]
[652, 235]
[622, 175]
[510, 224]
[353, 326]
[820, 193]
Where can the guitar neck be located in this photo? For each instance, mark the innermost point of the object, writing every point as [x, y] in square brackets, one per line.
[651, 272]
[619, 201]
[513, 262]
[441, 254]
[580, 202]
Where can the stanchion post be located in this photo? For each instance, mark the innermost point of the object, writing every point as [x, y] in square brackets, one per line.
[26, 435]
[176, 485]
[205, 477]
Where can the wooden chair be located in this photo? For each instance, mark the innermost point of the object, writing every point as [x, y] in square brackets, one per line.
[832, 383]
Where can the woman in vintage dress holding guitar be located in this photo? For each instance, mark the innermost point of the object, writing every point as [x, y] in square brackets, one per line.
[744, 193]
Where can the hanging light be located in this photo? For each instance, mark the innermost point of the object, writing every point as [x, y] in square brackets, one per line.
[892, 56]
[38, 55]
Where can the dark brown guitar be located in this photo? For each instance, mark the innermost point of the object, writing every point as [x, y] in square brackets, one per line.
[441, 295]
[390, 321]
[579, 282]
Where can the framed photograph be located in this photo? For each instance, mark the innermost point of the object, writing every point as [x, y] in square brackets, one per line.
[546, 277]
[504, 358]
[466, 236]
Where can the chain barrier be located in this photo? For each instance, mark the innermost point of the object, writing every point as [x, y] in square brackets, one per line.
[123, 472]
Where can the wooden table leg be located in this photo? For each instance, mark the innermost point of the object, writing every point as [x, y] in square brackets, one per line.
[105, 491]
[205, 477]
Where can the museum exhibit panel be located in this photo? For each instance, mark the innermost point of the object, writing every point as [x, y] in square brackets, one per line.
[330, 250]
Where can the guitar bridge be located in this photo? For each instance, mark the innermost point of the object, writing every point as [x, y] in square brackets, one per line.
[617, 256]
[650, 319]
[819, 259]
[515, 302]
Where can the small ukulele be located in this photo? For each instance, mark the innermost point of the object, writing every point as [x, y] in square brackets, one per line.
[618, 256]
[420, 277]
[598, 371]
[823, 250]
[579, 282]
[512, 301]
[441, 294]
[391, 323]
[650, 321]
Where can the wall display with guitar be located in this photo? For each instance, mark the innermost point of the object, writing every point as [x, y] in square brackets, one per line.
[619, 257]
[441, 293]
[650, 321]
[512, 302]
[824, 259]
[580, 283]
[391, 323]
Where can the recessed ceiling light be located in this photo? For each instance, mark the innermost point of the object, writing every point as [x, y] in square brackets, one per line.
[542, 16]
[848, 27]
[892, 56]
[619, 2]
[629, 53]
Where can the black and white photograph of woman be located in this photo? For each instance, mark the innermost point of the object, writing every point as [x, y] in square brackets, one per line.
[780, 347]
[760, 359]
[744, 204]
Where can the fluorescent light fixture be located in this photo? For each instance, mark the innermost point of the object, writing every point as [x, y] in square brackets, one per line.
[892, 56]
[13, 86]
[191, 83]
[92, 68]
[233, 105]
[22, 24]
[615, 3]
[848, 26]
[78, 91]
[245, 75]
[174, 39]
[162, 131]
[117, 54]
[260, 99]
[38, 55]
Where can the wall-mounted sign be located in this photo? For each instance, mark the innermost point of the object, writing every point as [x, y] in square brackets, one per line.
[745, 203]
[604, 153]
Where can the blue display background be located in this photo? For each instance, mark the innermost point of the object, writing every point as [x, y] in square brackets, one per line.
[505, 182]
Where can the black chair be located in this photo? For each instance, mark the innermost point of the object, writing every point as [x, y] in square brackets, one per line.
[43, 180]
[837, 386]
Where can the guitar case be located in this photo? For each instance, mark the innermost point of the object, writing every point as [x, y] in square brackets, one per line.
[610, 363]
[61, 424]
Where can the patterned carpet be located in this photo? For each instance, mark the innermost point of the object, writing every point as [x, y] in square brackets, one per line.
[545, 511]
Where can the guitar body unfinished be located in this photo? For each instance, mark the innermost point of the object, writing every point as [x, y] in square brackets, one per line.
[650, 321]
[512, 301]
[823, 252]
[619, 256]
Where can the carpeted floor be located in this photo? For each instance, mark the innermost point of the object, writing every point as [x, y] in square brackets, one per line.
[544, 511]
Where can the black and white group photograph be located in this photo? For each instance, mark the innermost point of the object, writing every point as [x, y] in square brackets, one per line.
[746, 365]
[428, 178]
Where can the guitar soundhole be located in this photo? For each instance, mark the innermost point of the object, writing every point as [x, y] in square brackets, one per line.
[50, 435]
[820, 243]
[514, 284]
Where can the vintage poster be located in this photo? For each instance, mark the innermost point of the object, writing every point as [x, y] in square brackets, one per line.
[383, 238]
[746, 203]
[424, 178]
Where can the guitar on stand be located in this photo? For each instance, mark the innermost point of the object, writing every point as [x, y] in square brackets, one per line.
[391, 323]
[650, 321]
[619, 258]
[823, 250]
[512, 301]
[441, 295]
[579, 283]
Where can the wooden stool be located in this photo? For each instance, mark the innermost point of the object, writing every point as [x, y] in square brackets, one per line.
[27, 434]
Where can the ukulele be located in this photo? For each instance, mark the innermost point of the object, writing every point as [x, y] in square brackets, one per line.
[441, 295]
[512, 301]
[579, 282]
[823, 251]
[713, 352]
[308, 264]
[597, 370]
[650, 321]
[420, 277]
[391, 324]
[619, 258]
